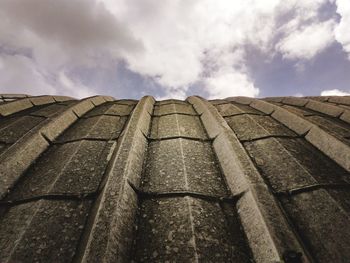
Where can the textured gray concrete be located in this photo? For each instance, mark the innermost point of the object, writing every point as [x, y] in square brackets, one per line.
[226, 180]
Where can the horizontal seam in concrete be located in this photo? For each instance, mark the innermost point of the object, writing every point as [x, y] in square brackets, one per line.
[111, 103]
[312, 187]
[14, 96]
[321, 103]
[343, 161]
[49, 100]
[310, 114]
[268, 239]
[105, 114]
[338, 103]
[91, 139]
[244, 113]
[124, 155]
[30, 142]
[67, 98]
[183, 193]
[173, 113]
[179, 137]
[170, 103]
[51, 197]
[37, 115]
[272, 136]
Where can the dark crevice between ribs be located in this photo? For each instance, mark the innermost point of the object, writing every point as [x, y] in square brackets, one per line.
[105, 114]
[60, 142]
[180, 193]
[284, 195]
[51, 196]
[229, 208]
[303, 223]
[289, 256]
[170, 103]
[173, 113]
[309, 188]
[244, 113]
[97, 198]
[272, 136]
[179, 137]
[153, 197]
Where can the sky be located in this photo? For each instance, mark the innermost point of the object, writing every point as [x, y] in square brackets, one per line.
[175, 48]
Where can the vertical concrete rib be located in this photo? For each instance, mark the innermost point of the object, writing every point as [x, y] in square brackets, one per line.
[319, 106]
[325, 142]
[268, 233]
[25, 103]
[19, 156]
[110, 227]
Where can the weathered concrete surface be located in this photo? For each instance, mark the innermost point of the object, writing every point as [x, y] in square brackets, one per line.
[269, 235]
[166, 126]
[22, 153]
[185, 228]
[110, 230]
[226, 180]
[335, 145]
[21, 102]
[168, 162]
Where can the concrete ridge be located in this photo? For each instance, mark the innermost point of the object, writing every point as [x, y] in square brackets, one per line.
[262, 220]
[19, 156]
[332, 110]
[117, 197]
[325, 142]
[25, 103]
[225, 180]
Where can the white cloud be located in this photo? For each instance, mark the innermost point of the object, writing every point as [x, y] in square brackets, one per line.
[228, 84]
[302, 10]
[19, 74]
[305, 34]
[190, 41]
[298, 95]
[41, 39]
[342, 31]
[177, 43]
[62, 32]
[335, 92]
[76, 88]
[308, 41]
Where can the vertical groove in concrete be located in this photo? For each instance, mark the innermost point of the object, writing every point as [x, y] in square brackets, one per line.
[97, 180]
[111, 223]
[268, 232]
[66, 169]
[328, 144]
[187, 188]
[19, 156]
[178, 219]
[287, 161]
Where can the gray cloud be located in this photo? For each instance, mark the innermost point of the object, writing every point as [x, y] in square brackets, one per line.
[41, 41]
[75, 24]
[168, 48]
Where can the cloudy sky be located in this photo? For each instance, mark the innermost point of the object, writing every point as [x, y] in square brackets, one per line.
[175, 48]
